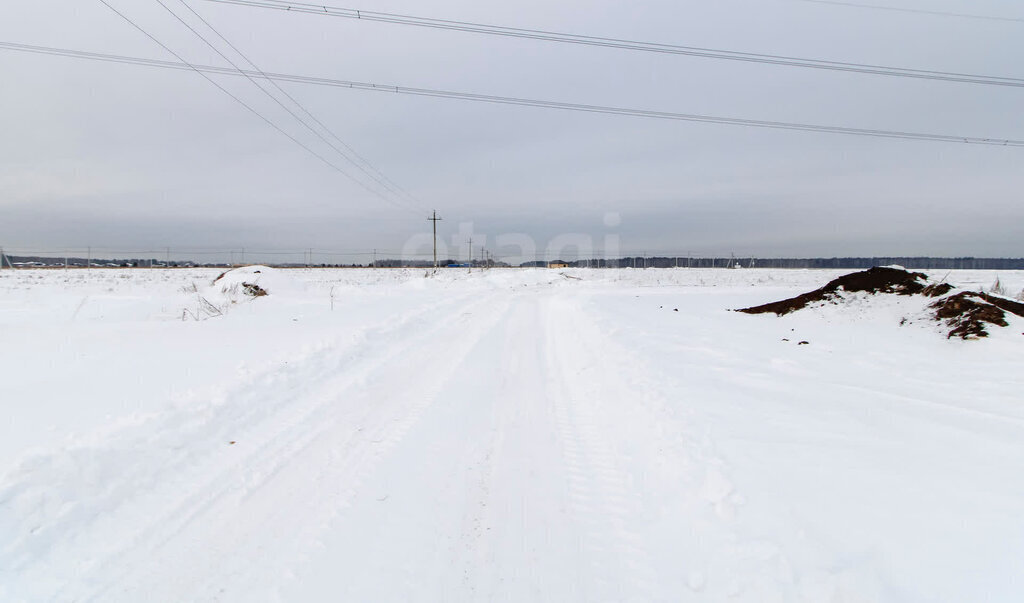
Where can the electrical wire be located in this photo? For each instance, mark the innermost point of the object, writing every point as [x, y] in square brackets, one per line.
[509, 100]
[357, 160]
[205, 70]
[919, 11]
[673, 49]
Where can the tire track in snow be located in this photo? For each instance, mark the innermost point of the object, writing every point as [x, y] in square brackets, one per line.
[603, 500]
[672, 461]
[316, 473]
[477, 509]
[422, 522]
[510, 520]
[113, 514]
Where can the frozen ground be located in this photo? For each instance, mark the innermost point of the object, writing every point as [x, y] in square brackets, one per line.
[511, 435]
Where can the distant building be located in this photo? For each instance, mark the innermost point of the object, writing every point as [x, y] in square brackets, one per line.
[558, 265]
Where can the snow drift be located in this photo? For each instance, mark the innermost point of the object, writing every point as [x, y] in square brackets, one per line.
[234, 287]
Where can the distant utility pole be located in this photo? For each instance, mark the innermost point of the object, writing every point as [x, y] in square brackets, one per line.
[374, 258]
[88, 257]
[471, 254]
[2, 256]
[434, 219]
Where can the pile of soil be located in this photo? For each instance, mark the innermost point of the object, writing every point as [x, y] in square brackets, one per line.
[873, 280]
[1013, 307]
[965, 313]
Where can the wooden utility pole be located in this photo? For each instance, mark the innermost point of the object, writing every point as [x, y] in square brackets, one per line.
[434, 219]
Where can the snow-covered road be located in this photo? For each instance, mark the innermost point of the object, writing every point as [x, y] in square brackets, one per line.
[507, 437]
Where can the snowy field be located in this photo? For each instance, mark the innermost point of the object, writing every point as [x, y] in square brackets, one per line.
[509, 435]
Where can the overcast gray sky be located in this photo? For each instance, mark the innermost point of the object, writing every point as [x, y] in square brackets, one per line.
[132, 157]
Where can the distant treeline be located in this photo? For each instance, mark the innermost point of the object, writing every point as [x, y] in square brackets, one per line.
[913, 263]
[15, 261]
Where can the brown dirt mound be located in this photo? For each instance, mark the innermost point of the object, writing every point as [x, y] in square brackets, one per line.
[937, 289]
[873, 280]
[1011, 306]
[966, 313]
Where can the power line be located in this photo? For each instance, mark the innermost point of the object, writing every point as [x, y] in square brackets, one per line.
[267, 92]
[919, 11]
[359, 161]
[509, 100]
[203, 71]
[673, 49]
